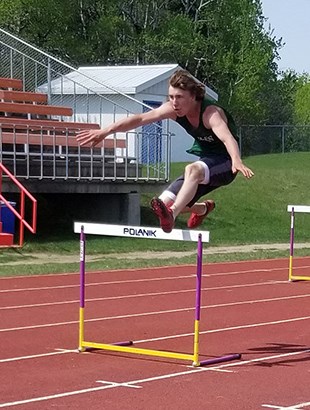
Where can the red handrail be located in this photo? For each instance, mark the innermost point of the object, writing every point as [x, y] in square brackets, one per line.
[20, 215]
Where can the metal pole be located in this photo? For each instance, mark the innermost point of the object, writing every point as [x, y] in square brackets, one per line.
[82, 289]
[198, 302]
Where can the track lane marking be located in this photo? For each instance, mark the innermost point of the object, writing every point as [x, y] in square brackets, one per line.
[119, 282]
[213, 264]
[293, 407]
[119, 384]
[145, 295]
[160, 312]
[225, 329]
[34, 356]
[113, 385]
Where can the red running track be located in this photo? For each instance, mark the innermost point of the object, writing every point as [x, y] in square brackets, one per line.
[247, 307]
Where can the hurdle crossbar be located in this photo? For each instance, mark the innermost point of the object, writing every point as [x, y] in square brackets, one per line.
[140, 232]
[150, 233]
[295, 209]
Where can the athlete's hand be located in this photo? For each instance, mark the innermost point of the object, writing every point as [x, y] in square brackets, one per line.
[92, 137]
[238, 166]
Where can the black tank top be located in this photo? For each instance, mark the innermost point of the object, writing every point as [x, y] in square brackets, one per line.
[206, 142]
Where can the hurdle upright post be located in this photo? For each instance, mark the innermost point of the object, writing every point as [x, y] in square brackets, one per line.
[294, 209]
[198, 302]
[290, 272]
[82, 290]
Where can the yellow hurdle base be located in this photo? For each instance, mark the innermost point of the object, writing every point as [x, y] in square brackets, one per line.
[293, 277]
[126, 349]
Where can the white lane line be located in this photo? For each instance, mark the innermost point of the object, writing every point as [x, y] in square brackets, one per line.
[225, 329]
[100, 272]
[76, 285]
[160, 312]
[57, 396]
[119, 384]
[147, 380]
[293, 407]
[96, 272]
[216, 370]
[34, 356]
[120, 282]
[268, 283]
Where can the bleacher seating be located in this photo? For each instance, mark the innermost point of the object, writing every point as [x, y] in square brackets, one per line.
[28, 123]
[11, 83]
[22, 96]
[15, 105]
[9, 108]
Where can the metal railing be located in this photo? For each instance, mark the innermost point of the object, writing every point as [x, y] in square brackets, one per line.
[39, 154]
[141, 160]
[21, 214]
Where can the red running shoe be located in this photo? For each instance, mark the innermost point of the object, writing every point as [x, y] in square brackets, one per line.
[195, 220]
[164, 214]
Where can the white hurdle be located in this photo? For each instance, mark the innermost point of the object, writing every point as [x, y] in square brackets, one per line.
[140, 232]
[84, 228]
[295, 209]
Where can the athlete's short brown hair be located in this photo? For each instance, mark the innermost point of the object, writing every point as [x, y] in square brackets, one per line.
[185, 81]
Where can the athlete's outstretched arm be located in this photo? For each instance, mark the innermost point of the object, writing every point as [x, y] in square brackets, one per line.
[220, 128]
[93, 137]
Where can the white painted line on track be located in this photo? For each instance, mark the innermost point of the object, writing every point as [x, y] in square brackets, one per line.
[40, 355]
[160, 312]
[292, 407]
[99, 272]
[120, 282]
[259, 359]
[57, 396]
[119, 384]
[217, 370]
[150, 379]
[136, 295]
[34, 356]
[225, 329]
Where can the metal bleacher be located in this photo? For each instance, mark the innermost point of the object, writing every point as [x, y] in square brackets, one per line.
[38, 129]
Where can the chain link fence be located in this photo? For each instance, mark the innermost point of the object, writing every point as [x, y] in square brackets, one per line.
[272, 139]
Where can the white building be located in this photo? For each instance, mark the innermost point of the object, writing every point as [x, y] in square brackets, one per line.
[107, 93]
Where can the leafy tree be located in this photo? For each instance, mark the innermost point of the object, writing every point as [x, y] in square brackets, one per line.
[302, 102]
[10, 15]
[169, 45]
[280, 103]
[240, 56]
[222, 42]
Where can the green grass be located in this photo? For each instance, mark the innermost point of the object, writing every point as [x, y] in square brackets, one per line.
[247, 212]
[254, 211]
[110, 263]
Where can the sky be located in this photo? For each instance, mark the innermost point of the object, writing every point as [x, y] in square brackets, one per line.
[290, 20]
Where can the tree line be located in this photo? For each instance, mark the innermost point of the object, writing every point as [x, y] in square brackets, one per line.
[224, 43]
